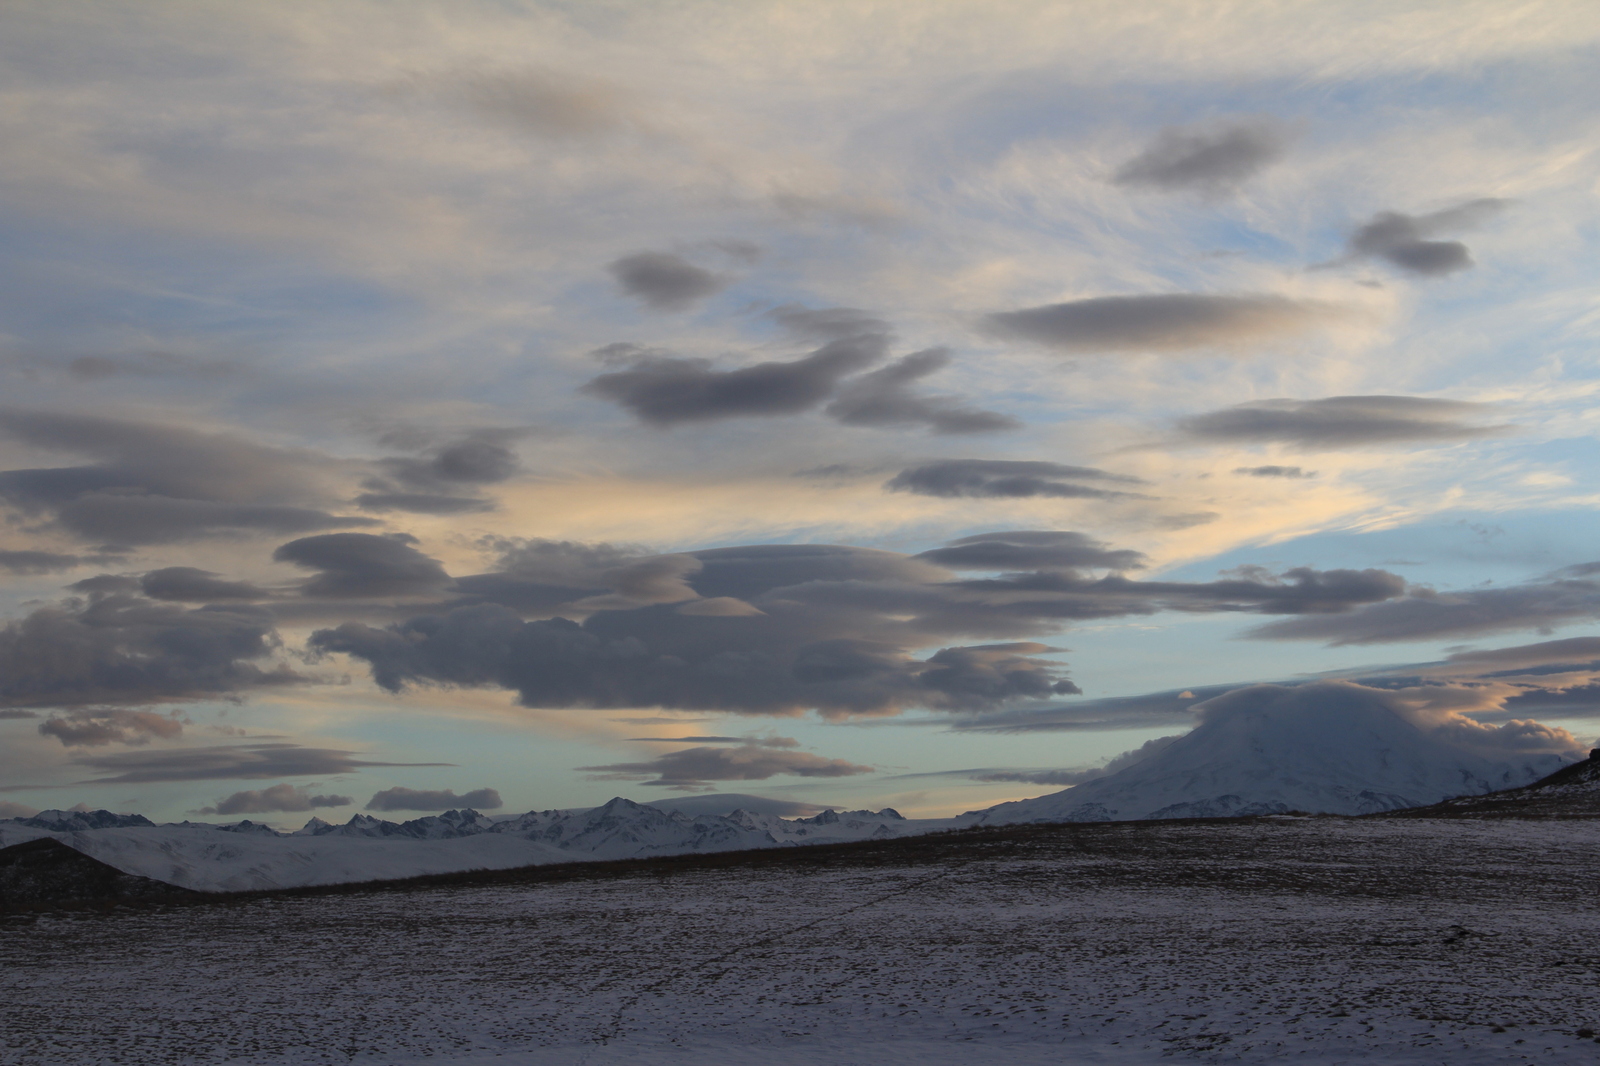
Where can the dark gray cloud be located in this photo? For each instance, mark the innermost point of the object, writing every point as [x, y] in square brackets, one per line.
[1157, 710]
[157, 484]
[1344, 422]
[694, 767]
[118, 649]
[827, 323]
[665, 281]
[190, 585]
[1299, 590]
[784, 628]
[562, 562]
[782, 661]
[99, 726]
[36, 562]
[1214, 158]
[1032, 549]
[13, 714]
[1570, 652]
[1007, 479]
[1164, 322]
[1274, 471]
[432, 483]
[1403, 240]
[884, 398]
[362, 565]
[1429, 615]
[545, 103]
[483, 459]
[227, 762]
[422, 503]
[284, 797]
[413, 799]
[664, 391]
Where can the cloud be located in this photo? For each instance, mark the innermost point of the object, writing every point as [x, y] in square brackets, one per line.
[35, 562]
[1006, 479]
[802, 627]
[422, 503]
[694, 767]
[545, 103]
[1213, 158]
[1021, 549]
[1156, 710]
[763, 742]
[1165, 322]
[361, 565]
[665, 281]
[827, 323]
[102, 725]
[411, 799]
[653, 579]
[431, 483]
[1430, 710]
[882, 398]
[1298, 590]
[782, 661]
[1343, 422]
[187, 584]
[1274, 471]
[122, 649]
[284, 797]
[227, 762]
[666, 391]
[9, 809]
[159, 484]
[1401, 240]
[1425, 614]
[12, 714]
[1078, 776]
[148, 364]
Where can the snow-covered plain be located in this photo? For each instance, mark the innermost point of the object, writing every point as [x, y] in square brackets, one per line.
[1319, 940]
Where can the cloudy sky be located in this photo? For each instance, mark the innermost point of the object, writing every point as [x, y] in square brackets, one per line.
[906, 403]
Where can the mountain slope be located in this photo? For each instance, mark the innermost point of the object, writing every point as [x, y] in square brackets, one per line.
[1322, 748]
[1571, 792]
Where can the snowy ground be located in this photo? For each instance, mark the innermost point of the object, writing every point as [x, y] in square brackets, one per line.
[1307, 940]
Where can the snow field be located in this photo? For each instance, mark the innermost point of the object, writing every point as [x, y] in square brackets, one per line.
[1308, 940]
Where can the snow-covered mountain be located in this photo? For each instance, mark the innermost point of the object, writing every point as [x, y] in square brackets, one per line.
[253, 856]
[1329, 747]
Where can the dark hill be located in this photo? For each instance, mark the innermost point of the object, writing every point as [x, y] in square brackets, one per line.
[47, 873]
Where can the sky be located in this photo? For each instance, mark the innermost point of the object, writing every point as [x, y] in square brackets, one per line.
[913, 404]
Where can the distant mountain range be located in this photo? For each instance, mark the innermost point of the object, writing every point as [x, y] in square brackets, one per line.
[1265, 750]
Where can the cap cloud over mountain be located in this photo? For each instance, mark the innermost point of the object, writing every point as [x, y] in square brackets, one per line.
[1323, 748]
